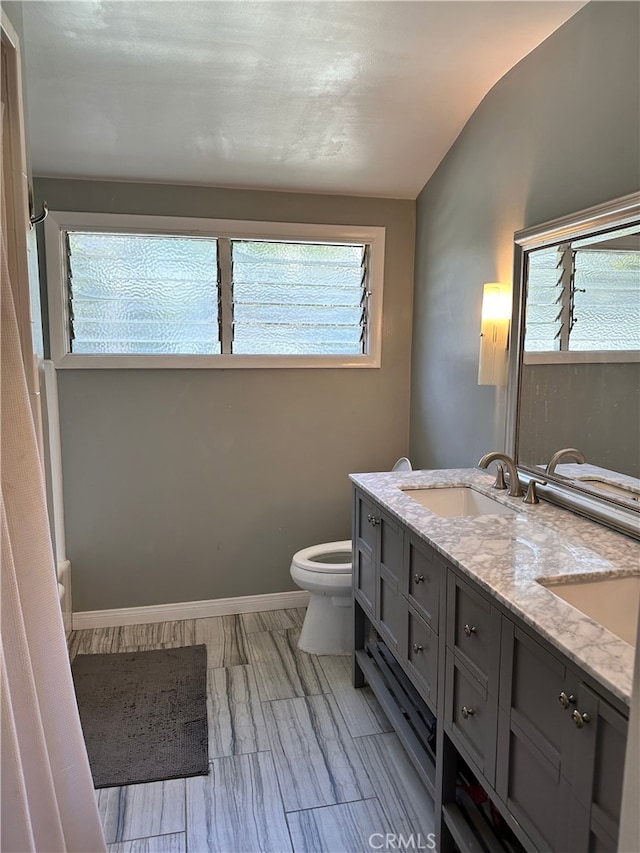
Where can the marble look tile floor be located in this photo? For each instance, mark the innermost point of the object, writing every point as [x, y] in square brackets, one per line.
[298, 760]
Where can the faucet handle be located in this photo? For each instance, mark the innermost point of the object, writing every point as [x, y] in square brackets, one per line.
[500, 481]
[532, 493]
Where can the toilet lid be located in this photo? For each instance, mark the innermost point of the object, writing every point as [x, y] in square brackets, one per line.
[330, 558]
[403, 464]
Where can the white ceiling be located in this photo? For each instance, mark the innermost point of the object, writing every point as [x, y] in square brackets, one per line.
[360, 98]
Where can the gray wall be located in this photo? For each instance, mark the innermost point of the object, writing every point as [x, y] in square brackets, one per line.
[193, 484]
[595, 407]
[560, 132]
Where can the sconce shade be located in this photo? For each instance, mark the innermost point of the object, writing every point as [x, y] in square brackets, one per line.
[494, 334]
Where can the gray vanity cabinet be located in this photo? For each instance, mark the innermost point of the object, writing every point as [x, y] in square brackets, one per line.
[542, 741]
[560, 749]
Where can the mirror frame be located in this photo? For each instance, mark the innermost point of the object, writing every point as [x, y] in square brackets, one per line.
[567, 493]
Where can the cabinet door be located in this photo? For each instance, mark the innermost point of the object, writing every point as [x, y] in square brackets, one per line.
[392, 607]
[600, 743]
[535, 734]
[424, 573]
[365, 546]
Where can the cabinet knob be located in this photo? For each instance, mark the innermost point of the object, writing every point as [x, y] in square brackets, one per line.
[417, 647]
[566, 700]
[418, 578]
[579, 718]
[375, 520]
[370, 518]
[469, 630]
[467, 712]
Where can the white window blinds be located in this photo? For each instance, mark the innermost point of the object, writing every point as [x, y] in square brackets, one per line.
[154, 294]
[298, 298]
[142, 294]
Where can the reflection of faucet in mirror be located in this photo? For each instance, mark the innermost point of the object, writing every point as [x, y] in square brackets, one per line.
[515, 489]
[571, 453]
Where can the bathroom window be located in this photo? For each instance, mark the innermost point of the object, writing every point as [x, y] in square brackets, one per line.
[129, 291]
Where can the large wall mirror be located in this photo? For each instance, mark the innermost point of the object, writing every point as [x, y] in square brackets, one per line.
[576, 352]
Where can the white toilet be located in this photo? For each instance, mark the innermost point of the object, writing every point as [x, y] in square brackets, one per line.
[325, 571]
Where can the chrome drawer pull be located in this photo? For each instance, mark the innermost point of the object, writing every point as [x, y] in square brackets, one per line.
[469, 630]
[417, 648]
[467, 712]
[565, 700]
[418, 578]
[580, 719]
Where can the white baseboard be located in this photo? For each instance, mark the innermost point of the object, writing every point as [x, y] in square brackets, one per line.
[189, 610]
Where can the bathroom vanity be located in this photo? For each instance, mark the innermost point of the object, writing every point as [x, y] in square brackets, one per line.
[492, 680]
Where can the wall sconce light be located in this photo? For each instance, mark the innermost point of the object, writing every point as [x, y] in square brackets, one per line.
[494, 334]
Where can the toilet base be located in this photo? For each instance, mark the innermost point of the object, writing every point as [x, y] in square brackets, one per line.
[328, 626]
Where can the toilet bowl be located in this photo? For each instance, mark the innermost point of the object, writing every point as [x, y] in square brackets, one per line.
[325, 571]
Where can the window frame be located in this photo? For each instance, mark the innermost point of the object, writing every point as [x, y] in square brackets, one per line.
[58, 222]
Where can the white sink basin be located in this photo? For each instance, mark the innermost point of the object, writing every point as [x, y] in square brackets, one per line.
[457, 502]
[613, 602]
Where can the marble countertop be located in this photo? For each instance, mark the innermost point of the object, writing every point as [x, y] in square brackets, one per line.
[508, 554]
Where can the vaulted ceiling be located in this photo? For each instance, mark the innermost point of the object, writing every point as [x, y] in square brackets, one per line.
[350, 97]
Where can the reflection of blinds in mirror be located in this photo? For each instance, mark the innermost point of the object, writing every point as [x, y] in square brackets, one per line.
[544, 300]
[606, 308]
[582, 300]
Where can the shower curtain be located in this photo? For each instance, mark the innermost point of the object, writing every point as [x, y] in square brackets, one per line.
[47, 799]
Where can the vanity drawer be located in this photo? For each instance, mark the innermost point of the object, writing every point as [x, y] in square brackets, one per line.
[422, 655]
[473, 631]
[425, 574]
[470, 717]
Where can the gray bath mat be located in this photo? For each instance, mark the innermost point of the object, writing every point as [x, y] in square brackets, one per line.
[143, 714]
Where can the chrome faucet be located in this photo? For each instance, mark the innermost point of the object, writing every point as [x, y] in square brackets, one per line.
[515, 489]
[568, 453]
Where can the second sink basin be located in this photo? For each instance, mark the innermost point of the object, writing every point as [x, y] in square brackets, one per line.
[622, 491]
[613, 602]
[457, 502]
